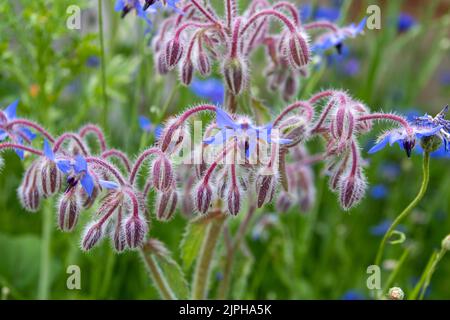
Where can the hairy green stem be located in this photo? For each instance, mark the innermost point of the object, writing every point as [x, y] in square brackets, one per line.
[44, 271]
[206, 255]
[408, 209]
[103, 68]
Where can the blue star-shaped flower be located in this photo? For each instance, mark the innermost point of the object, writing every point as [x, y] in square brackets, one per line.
[148, 126]
[125, 6]
[242, 131]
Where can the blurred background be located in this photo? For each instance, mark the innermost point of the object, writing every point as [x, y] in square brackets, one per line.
[322, 254]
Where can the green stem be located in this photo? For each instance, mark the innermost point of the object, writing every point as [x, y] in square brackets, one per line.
[203, 267]
[408, 209]
[103, 69]
[157, 276]
[394, 273]
[44, 271]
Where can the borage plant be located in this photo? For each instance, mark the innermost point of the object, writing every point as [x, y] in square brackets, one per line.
[232, 165]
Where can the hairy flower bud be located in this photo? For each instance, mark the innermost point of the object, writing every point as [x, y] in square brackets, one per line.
[186, 72]
[28, 191]
[162, 173]
[342, 124]
[297, 50]
[68, 210]
[203, 64]
[118, 236]
[284, 202]
[174, 51]
[203, 197]
[92, 235]
[235, 74]
[265, 187]
[290, 87]
[166, 203]
[135, 231]
[49, 178]
[161, 64]
[351, 190]
[294, 128]
[234, 200]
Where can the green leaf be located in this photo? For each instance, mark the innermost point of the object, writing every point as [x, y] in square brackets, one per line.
[192, 241]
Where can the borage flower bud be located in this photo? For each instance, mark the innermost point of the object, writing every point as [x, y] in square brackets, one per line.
[92, 235]
[166, 203]
[234, 200]
[68, 210]
[203, 197]
[162, 173]
[235, 74]
[186, 71]
[290, 87]
[28, 191]
[336, 168]
[266, 183]
[118, 236]
[174, 51]
[173, 136]
[297, 50]
[342, 124]
[135, 231]
[351, 190]
[284, 202]
[294, 128]
[49, 178]
[161, 64]
[203, 64]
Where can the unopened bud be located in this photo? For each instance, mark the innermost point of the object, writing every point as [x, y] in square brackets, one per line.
[234, 200]
[186, 72]
[161, 64]
[342, 124]
[203, 64]
[265, 187]
[49, 178]
[430, 143]
[91, 236]
[174, 51]
[290, 87]
[28, 191]
[166, 203]
[135, 231]
[396, 293]
[203, 197]
[68, 210]
[118, 236]
[297, 50]
[162, 173]
[235, 74]
[351, 190]
[284, 202]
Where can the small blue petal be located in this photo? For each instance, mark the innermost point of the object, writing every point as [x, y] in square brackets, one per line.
[48, 152]
[108, 184]
[10, 111]
[223, 120]
[120, 4]
[28, 133]
[64, 165]
[145, 124]
[80, 164]
[380, 145]
[87, 183]
[158, 131]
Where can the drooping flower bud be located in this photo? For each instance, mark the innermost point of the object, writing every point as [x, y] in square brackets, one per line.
[28, 191]
[265, 187]
[294, 128]
[118, 236]
[336, 168]
[203, 197]
[235, 74]
[174, 51]
[161, 64]
[68, 210]
[396, 293]
[166, 203]
[162, 173]
[305, 187]
[290, 87]
[234, 200]
[284, 202]
[49, 178]
[342, 124]
[186, 71]
[92, 235]
[203, 64]
[173, 136]
[297, 50]
[135, 231]
[351, 190]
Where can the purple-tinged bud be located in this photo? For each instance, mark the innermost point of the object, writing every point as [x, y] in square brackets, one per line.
[92, 236]
[265, 187]
[203, 64]
[351, 190]
[203, 197]
[234, 200]
[290, 87]
[173, 136]
[161, 64]
[162, 173]
[305, 187]
[174, 51]
[284, 202]
[68, 210]
[49, 178]
[294, 128]
[166, 203]
[135, 231]
[28, 191]
[186, 72]
[235, 74]
[118, 236]
[342, 124]
[336, 169]
[187, 201]
[297, 50]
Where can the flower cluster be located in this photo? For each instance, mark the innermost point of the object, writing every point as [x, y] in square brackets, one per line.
[197, 37]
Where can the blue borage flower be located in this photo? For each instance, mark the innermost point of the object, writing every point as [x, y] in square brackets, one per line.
[211, 89]
[405, 22]
[241, 130]
[17, 135]
[336, 39]
[425, 126]
[77, 171]
[379, 191]
[144, 7]
[148, 126]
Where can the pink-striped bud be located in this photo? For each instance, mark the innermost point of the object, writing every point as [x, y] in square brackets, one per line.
[161, 64]
[135, 231]
[186, 72]
[290, 87]
[265, 187]
[351, 190]
[166, 203]
[118, 236]
[336, 169]
[284, 202]
[297, 50]
[235, 74]
[294, 128]
[28, 191]
[234, 200]
[203, 197]
[68, 210]
[342, 124]
[162, 173]
[49, 178]
[203, 64]
[174, 51]
[92, 235]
